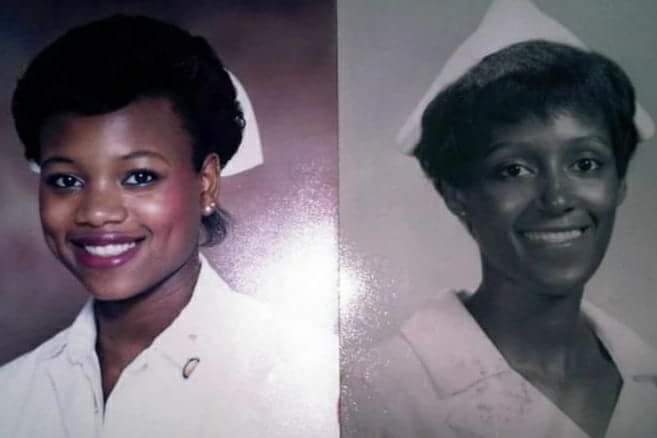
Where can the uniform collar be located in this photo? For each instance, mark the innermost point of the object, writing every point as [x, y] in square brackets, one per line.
[451, 345]
[457, 354]
[81, 340]
[635, 359]
[189, 335]
[210, 318]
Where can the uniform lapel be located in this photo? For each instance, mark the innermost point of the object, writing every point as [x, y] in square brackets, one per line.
[635, 414]
[75, 398]
[482, 395]
[74, 374]
[210, 358]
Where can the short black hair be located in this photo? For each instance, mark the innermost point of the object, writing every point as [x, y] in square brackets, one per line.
[105, 65]
[534, 78]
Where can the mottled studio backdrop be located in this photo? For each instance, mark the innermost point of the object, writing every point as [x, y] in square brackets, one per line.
[283, 245]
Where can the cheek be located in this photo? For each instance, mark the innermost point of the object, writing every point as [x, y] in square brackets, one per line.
[56, 213]
[496, 209]
[602, 198]
[57, 217]
[175, 209]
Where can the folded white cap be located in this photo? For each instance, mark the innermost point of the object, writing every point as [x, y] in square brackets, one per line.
[249, 154]
[505, 23]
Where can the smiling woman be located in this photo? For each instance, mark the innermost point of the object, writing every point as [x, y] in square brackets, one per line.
[541, 202]
[528, 142]
[115, 194]
[130, 121]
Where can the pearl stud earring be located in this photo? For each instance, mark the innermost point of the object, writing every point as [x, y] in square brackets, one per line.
[209, 209]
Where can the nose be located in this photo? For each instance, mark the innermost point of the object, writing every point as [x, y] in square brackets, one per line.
[100, 206]
[556, 194]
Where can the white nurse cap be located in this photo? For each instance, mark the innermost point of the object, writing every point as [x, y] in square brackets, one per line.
[249, 153]
[505, 23]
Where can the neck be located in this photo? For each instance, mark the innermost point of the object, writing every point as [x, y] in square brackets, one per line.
[535, 327]
[127, 327]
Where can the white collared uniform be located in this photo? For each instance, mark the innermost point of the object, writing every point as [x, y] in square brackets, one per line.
[442, 377]
[256, 376]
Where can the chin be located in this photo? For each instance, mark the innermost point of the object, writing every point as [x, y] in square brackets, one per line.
[561, 284]
[112, 288]
[111, 293]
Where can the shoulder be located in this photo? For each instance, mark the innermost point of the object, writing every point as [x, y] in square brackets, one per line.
[25, 365]
[24, 376]
[251, 326]
[290, 366]
[632, 354]
[299, 366]
[391, 389]
[399, 360]
[380, 388]
[385, 367]
[421, 338]
[305, 376]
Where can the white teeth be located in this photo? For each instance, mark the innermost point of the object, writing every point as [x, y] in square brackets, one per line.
[110, 250]
[552, 236]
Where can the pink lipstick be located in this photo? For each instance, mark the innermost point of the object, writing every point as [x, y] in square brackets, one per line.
[99, 251]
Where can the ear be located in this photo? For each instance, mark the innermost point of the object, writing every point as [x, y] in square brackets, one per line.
[622, 192]
[210, 180]
[454, 199]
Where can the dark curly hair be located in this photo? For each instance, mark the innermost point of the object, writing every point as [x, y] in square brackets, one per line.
[533, 78]
[105, 65]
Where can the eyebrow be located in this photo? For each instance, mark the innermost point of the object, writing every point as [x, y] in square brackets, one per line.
[55, 159]
[491, 148]
[144, 154]
[601, 140]
[131, 156]
[593, 138]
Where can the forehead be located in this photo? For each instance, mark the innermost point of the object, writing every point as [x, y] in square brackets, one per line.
[147, 124]
[563, 128]
[562, 125]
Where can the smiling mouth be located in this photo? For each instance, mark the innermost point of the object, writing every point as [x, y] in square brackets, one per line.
[554, 237]
[105, 251]
[110, 250]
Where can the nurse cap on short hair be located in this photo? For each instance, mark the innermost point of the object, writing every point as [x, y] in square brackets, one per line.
[505, 23]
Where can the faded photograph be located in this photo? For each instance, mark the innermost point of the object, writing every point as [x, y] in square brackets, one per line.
[170, 231]
[496, 201]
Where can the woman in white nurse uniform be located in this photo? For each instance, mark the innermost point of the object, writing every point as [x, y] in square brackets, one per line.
[129, 121]
[527, 136]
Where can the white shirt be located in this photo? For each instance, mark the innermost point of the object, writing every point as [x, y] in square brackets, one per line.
[442, 377]
[256, 376]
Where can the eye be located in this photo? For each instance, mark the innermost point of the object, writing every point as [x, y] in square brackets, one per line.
[514, 170]
[585, 165]
[63, 181]
[140, 177]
